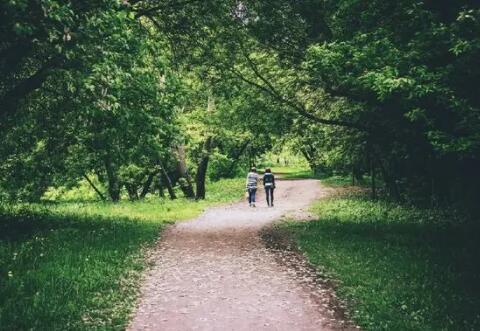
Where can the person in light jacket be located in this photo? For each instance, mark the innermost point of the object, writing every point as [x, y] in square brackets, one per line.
[251, 186]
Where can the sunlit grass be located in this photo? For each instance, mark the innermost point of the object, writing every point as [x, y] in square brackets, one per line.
[399, 268]
[293, 172]
[288, 170]
[76, 266]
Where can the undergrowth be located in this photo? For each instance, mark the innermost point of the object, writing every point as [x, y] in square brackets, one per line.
[399, 268]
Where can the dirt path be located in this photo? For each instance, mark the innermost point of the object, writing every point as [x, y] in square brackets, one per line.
[214, 273]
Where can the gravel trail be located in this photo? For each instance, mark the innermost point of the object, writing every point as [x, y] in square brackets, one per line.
[215, 273]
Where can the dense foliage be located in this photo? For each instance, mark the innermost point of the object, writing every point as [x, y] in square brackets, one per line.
[117, 99]
[143, 95]
[393, 83]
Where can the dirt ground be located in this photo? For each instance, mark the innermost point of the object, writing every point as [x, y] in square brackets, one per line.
[215, 273]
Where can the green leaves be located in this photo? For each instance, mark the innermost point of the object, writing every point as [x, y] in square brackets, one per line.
[399, 77]
[386, 82]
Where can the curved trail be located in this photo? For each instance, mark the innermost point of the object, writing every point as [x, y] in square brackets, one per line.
[214, 273]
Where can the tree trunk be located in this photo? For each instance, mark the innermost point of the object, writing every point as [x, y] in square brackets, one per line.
[202, 169]
[390, 181]
[159, 185]
[113, 185]
[309, 155]
[11, 98]
[205, 157]
[161, 193]
[372, 176]
[168, 183]
[94, 187]
[237, 155]
[132, 192]
[148, 183]
[185, 180]
[306, 155]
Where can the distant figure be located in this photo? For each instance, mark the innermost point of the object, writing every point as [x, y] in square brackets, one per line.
[269, 184]
[251, 186]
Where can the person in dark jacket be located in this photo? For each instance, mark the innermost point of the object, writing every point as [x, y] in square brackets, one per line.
[269, 185]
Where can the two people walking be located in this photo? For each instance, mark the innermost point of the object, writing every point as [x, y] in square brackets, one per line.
[268, 183]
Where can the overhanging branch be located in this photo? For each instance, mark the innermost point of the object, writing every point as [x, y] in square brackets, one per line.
[297, 107]
[10, 100]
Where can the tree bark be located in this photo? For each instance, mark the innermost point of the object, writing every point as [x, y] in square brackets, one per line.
[148, 183]
[168, 183]
[113, 184]
[132, 192]
[309, 158]
[161, 193]
[390, 181]
[238, 154]
[202, 169]
[35, 81]
[185, 180]
[94, 187]
[371, 165]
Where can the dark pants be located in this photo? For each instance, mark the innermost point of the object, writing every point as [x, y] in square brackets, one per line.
[252, 192]
[269, 195]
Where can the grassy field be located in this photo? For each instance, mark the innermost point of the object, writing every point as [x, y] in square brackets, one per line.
[76, 266]
[398, 268]
[300, 172]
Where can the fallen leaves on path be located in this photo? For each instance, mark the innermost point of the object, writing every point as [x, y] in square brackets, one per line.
[215, 273]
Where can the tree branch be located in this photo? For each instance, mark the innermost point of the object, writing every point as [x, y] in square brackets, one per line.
[11, 98]
[298, 108]
[94, 187]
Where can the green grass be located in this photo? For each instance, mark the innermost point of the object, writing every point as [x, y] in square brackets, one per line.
[398, 268]
[158, 210]
[287, 170]
[293, 172]
[76, 266]
[307, 173]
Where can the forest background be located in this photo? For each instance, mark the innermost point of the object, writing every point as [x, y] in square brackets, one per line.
[118, 92]
[152, 101]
